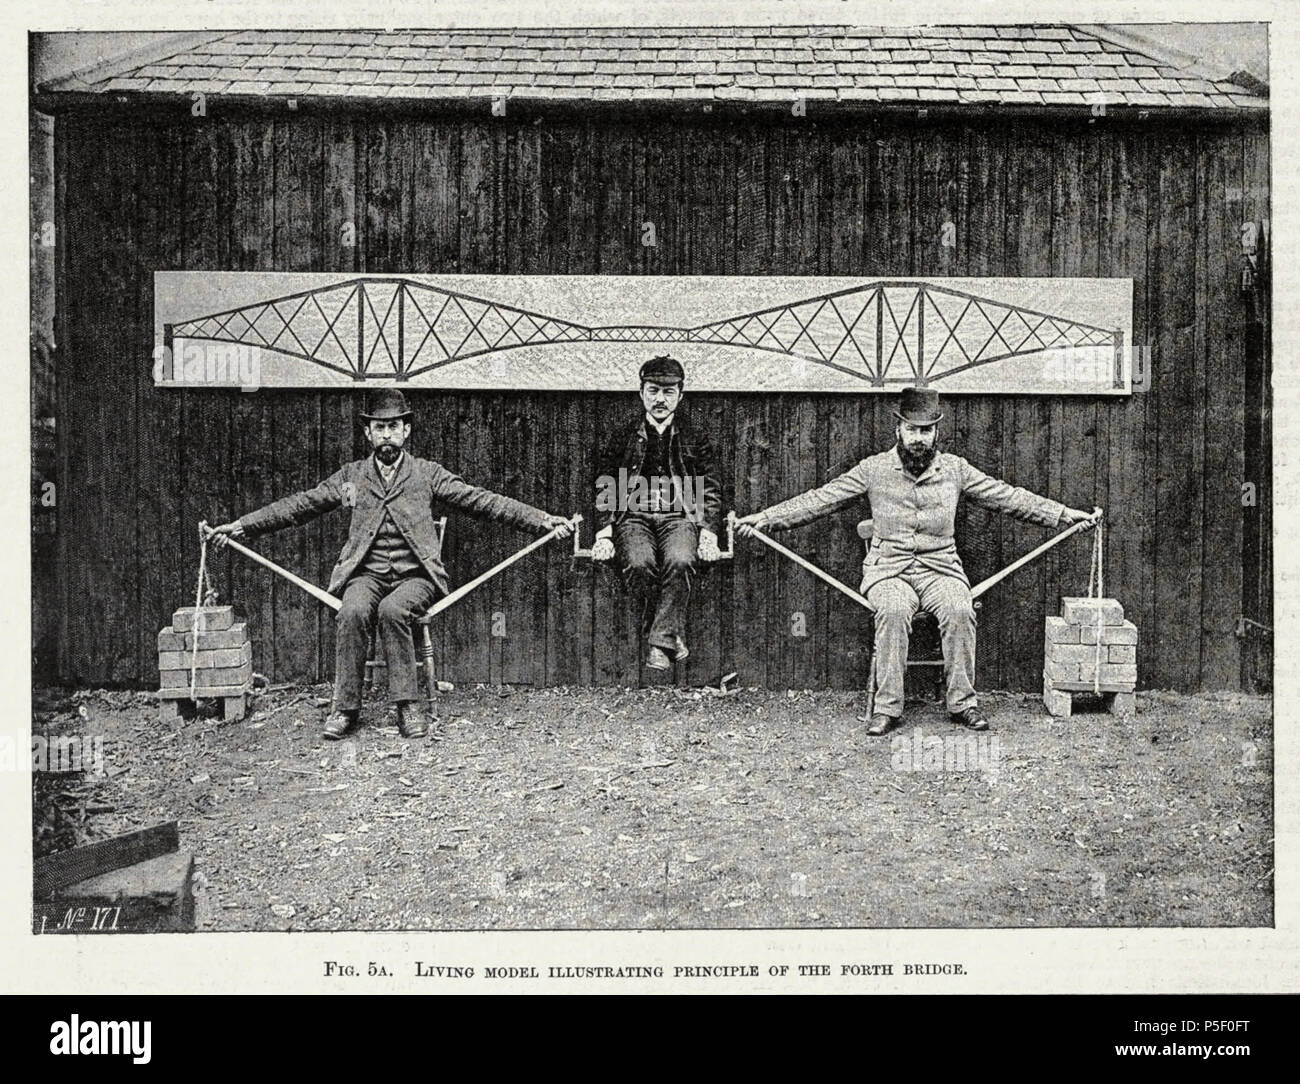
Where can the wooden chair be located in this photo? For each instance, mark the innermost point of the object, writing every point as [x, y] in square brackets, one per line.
[925, 669]
[424, 640]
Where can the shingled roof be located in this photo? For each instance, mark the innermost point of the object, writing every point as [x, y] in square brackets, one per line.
[1038, 65]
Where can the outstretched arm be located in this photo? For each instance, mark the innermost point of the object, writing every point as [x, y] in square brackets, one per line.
[291, 511]
[811, 505]
[478, 501]
[1015, 501]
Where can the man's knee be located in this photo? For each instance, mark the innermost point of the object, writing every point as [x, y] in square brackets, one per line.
[956, 610]
[678, 564]
[393, 611]
[640, 567]
[892, 602]
[353, 615]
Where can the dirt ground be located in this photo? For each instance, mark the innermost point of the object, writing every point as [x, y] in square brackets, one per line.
[666, 808]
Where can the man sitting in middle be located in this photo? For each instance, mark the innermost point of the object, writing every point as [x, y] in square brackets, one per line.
[659, 505]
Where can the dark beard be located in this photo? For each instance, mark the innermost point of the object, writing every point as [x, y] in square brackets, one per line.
[387, 454]
[917, 463]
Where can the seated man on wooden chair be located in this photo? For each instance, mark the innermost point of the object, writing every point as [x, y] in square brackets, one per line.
[659, 504]
[391, 566]
[913, 563]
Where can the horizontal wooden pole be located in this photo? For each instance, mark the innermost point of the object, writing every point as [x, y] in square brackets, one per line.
[311, 589]
[842, 588]
[998, 577]
[478, 581]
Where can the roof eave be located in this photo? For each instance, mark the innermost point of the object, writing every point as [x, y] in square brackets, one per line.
[481, 102]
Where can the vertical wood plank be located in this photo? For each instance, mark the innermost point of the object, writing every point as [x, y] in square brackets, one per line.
[100, 497]
[296, 419]
[166, 545]
[1022, 598]
[981, 236]
[1257, 602]
[340, 434]
[252, 238]
[1126, 241]
[707, 190]
[1222, 406]
[1179, 499]
[435, 249]
[607, 169]
[206, 412]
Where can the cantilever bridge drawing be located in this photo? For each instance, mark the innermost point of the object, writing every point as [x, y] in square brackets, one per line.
[592, 332]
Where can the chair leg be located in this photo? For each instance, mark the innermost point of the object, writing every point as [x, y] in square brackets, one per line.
[871, 670]
[368, 682]
[426, 655]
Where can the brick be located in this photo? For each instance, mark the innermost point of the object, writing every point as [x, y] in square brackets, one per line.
[1126, 633]
[1110, 673]
[1061, 671]
[216, 677]
[1123, 704]
[1074, 653]
[214, 618]
[1083, 611]
[205, 659]
[1057, 703]
[1125, 653]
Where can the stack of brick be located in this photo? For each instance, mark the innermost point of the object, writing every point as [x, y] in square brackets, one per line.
[1073, 664]
[224, 659]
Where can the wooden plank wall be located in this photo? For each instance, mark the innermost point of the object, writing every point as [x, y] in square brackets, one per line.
[1160, 204]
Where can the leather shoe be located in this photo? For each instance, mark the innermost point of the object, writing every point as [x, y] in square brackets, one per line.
[971, 719]
[339, 724]
[657, 659]
[881, 724]
[681, 651]
[411, 720]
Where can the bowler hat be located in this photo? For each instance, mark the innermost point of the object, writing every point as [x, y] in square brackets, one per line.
[663, 370]
[385, 404]
[919, 406]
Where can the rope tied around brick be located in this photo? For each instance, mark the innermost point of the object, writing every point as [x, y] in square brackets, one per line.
[203, 593]
[1095, 576]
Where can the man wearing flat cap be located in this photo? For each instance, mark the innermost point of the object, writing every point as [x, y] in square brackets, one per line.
[658, 504]
[391, 567]
[912, 563]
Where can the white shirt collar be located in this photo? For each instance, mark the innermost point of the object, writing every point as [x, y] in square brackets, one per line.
[661, 428]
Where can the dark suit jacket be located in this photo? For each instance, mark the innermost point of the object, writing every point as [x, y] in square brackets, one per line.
[690, 453]
[419, 483]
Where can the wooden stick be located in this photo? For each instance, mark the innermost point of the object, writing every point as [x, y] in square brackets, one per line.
[297, 581]
[477, 581]
[841, 587]
[997, 577]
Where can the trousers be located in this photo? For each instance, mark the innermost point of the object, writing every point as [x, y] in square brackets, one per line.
[395, 601]
[657, 555]
[895, 602]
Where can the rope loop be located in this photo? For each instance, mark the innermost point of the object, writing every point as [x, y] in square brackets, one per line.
[1095, 576]
[203, 593]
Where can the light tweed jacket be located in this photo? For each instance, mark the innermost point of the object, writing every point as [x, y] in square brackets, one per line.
[913, 517]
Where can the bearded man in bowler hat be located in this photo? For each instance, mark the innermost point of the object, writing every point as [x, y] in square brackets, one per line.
[659, 505]
[391, 567]
[912, 562]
